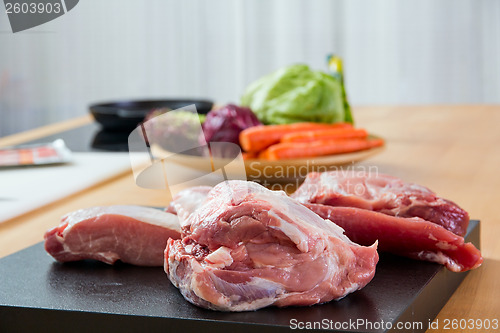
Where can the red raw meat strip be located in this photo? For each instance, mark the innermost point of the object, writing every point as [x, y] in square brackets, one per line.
[384, 194]
[133, 234]
[248, 247]
[410, 237]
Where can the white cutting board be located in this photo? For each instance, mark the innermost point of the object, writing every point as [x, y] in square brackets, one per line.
[25, 189]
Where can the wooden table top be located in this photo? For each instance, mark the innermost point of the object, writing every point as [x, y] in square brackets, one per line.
[454, 150]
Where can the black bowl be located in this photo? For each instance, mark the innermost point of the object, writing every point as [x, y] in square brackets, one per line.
[126, 115]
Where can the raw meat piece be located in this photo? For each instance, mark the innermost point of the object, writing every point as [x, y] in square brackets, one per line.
[134, 234]
[187, 201]
[384, 194]
[410, 237]
[248, 247]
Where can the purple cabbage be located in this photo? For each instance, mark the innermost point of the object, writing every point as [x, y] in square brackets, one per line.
[226, 123]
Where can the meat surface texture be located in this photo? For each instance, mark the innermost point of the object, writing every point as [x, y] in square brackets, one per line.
[248, 247]
[384, 194]
[187, 201]
[410, 237]
[133, 234]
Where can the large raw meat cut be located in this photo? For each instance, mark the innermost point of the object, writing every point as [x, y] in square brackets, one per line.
[248, 247]
[384, 194]
[133, 234]
[410, 237]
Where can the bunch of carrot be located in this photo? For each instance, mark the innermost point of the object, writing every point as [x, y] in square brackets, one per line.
[300, 140]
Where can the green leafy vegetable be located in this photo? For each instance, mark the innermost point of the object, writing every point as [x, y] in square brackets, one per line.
[180, 129]
[298, 94]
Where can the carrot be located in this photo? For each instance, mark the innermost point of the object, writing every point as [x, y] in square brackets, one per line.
[247, 155]
[257, 138]
[288, 150]
[264, 155]
[325, 135]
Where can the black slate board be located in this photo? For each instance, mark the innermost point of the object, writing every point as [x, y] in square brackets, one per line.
[38, 294]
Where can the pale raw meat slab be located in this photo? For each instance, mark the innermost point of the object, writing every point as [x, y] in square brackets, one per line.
[133, 234]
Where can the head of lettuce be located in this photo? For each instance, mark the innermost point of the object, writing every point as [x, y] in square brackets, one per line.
[298, 94]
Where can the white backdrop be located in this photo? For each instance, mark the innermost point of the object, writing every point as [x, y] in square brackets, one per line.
[395, 52]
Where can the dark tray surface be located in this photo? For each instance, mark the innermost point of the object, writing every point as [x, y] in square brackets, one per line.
[88, 291]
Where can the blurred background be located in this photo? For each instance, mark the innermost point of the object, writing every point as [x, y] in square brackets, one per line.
[395, 52]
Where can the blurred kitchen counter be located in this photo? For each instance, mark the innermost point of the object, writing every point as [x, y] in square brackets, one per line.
[454, 150]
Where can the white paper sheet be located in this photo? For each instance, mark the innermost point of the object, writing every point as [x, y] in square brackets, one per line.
[25, 189]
